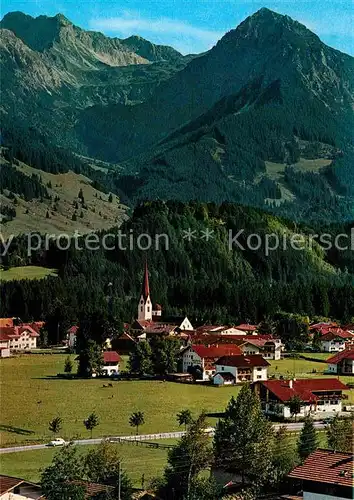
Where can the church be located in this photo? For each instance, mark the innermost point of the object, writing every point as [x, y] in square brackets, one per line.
[150, 320]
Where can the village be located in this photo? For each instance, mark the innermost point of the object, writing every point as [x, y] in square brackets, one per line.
[222, 357]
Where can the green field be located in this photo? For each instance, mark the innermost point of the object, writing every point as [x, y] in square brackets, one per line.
[26, 273]
[32, 396]
[136, 460]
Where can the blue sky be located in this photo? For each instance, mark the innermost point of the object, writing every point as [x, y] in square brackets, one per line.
[193, 26]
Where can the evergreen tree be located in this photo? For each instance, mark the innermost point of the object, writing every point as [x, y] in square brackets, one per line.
[68, 365]
[307, 443]
[243, 439]
[340, 434]
[186, 460]
[90, 359]
[284, 455]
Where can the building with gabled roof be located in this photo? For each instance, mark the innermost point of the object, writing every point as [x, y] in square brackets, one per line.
[204, 357]
[324, 475]
[334, 340]
[15, 488]
[317, 395]
[342, 363]
[245, 368]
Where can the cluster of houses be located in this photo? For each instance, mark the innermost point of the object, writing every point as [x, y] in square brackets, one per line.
[330, 337]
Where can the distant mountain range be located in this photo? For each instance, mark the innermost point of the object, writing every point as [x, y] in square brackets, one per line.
[264, 118]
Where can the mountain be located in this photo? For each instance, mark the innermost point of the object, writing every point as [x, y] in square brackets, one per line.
[52, 69]
[264, 118]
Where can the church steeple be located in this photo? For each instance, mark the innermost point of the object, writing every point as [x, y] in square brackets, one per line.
[145, 291]
[145, 305]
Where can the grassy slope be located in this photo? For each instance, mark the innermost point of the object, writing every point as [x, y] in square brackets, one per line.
[101, 214]
[26, 272]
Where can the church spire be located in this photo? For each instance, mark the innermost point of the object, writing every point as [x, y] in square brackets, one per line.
[145, 291]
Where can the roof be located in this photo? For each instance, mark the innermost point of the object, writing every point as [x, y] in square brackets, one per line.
[215, 351]
[157, 327]
[335, 334]
[8, 483]
[326, 466]
[340, 356]
[306, 388]
[126, 336]
[319, 326]
[157, 307]
[246, 327]
[145, 289]
[226, 375]
[73, 330]
[242, 361]
[111, 357]
[8, 332]
[92, 489]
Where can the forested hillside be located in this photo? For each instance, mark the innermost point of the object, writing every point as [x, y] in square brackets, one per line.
[204, 279]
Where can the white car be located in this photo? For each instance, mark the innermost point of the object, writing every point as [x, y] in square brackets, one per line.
[57, 442]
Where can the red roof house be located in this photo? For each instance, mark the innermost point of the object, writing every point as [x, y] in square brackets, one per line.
[324, 474]
[317, 395]
[204, 357]
[342, 362]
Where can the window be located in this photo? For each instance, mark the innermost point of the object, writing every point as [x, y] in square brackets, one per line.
[141, 309]
[259, 369]
[222, 368]
[148, 309]
[259, 376]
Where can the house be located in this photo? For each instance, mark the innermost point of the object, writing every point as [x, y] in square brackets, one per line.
[203, 358]
[317, 396]
[334, 340]
[269, 348]
[71, 336]
[125, 343]
[242, 368]
[94, 490]
[14, 488]
[324, 475]
[247, 329]
[19, 338]
[342, 363]
[111, 361]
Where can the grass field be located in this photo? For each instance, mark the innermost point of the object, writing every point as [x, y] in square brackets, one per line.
[136, 460]
[32, 396]
[26, 273]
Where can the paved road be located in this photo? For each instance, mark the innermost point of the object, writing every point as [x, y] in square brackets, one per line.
[294, 427]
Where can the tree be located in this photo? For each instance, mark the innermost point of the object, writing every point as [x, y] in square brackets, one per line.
[55, 480]
[102, 465]
[110, 197]
[90, 359]
[243, 439]
[140, 359]
[55, 425]
[137, 419]
[184, 417]
[295, 404]
[284, 455]
[91, 422]
[340, 434]
[68, 365]
[307, 442]
[186, 460]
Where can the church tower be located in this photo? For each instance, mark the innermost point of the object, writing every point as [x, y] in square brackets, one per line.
[145, 305]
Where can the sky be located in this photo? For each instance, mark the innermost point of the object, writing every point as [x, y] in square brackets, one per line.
[193, 26]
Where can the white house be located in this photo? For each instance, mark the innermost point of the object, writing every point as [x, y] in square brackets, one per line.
[334, 341]
[204, 357]
[18, 338]
[317, 396]
[268, 348]
[242, 368]
[111, 362]
[324, 475]
[342, 363]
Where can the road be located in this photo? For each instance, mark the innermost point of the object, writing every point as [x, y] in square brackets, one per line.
[293, 427]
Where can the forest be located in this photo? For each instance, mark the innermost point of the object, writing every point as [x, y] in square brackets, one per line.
[203, 279]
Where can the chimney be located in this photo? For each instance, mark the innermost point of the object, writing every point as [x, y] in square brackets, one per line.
[290, 384]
